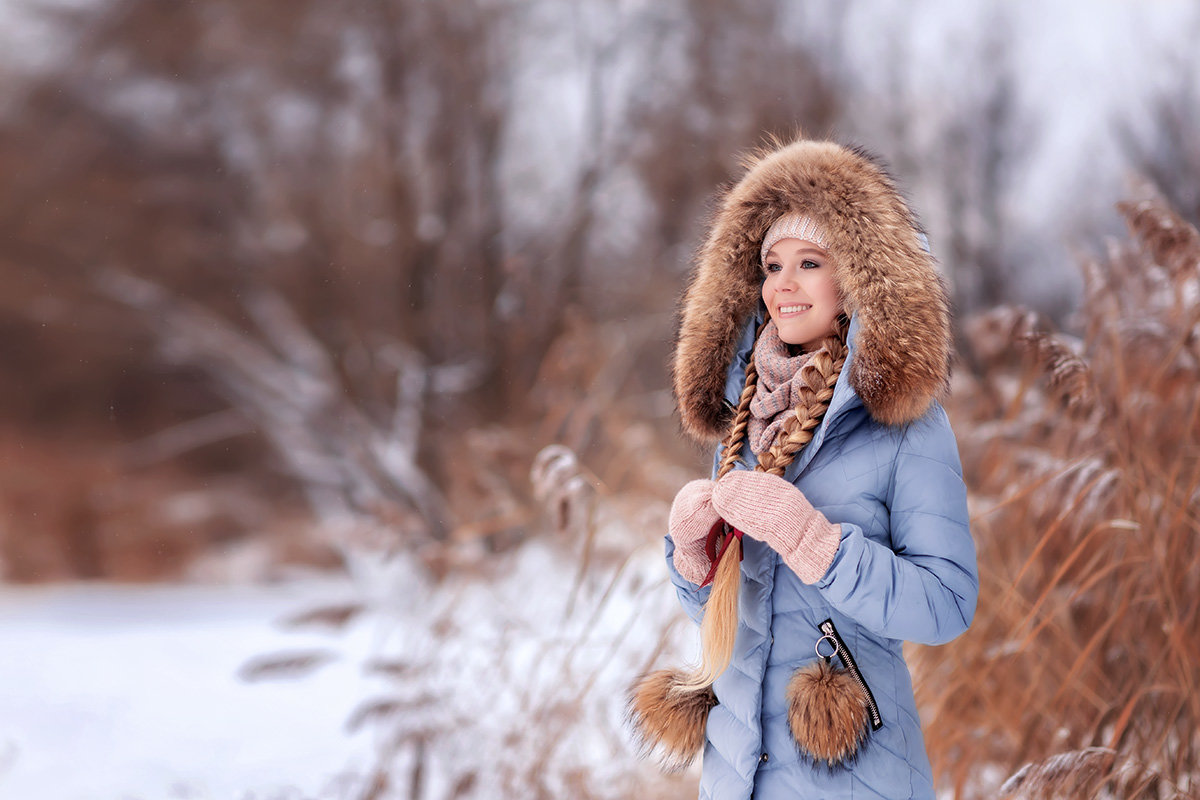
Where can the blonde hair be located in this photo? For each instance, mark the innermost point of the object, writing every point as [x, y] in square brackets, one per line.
[718, 630]
[669, 707]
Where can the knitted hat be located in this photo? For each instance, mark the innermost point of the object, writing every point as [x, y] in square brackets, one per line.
[792, 226]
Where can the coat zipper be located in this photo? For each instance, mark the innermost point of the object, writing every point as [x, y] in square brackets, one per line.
[847, 659]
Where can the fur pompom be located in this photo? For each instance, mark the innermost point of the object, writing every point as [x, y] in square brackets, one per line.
[668, 720]
[828, 713]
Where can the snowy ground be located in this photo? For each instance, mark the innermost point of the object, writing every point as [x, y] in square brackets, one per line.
[502, 684]
[130, 692]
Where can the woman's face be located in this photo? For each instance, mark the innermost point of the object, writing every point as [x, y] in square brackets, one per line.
[800, 293]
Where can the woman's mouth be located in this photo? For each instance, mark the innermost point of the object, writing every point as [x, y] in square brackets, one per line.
[795, 308]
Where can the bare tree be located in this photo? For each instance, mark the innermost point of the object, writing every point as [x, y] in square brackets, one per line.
[306, 208]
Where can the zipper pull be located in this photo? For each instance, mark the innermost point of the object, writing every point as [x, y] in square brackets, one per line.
[843, 652]
[832, 643]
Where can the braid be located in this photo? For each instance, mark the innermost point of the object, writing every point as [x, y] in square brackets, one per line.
[718, 628]
[741, 418]
[818, 378]
[670, 707]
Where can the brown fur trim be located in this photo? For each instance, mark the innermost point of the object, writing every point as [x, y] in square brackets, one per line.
[669, 722]
[902, 356]
[828, 713]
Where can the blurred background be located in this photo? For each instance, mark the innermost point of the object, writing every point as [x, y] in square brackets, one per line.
[336, 438]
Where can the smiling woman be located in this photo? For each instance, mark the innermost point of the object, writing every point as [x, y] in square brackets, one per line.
[835, 523]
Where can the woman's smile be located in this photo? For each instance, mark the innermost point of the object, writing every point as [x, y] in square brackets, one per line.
[789, 310]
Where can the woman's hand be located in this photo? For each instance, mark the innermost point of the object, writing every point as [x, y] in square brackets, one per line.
[692, 517]
[768, 508]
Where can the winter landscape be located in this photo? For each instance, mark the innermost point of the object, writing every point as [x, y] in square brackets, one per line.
[336, 433]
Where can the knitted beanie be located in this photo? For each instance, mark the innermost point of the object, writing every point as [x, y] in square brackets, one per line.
[792, 226]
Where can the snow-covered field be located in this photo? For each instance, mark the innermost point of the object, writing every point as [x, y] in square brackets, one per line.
[120, 692]
[500, 682]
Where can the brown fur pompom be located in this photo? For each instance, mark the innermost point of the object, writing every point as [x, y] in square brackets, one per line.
[669, 721]
[828, 713]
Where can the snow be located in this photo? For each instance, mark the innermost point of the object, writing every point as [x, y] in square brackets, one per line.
[526, 664]
[133, 692]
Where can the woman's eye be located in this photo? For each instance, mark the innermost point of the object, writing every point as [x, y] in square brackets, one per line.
[810, 265]
[773, 267]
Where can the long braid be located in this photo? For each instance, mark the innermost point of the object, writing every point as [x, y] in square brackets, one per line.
[741, 418]
[718, 628]
[669, 708]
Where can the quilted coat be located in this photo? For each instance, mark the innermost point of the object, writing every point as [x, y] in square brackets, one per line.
[883, 465]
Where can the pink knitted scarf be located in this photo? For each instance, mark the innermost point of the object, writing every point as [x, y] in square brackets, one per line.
[778, 388]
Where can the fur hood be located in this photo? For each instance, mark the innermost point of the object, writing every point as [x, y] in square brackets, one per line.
[888, 281]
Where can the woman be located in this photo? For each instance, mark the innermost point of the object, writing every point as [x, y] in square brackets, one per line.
[814, 342]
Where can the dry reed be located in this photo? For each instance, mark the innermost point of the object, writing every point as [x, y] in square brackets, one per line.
[1082, 667]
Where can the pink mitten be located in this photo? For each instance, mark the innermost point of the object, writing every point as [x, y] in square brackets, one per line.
[768, 508]
[692, 516]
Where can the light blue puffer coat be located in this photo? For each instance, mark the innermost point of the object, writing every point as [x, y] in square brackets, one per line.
[905, 571]
[883, 464]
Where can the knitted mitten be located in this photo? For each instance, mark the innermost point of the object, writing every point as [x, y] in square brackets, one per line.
[768, 508]
[692, 517]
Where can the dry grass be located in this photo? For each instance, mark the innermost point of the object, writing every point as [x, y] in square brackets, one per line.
[1083, 453]
[506, 679]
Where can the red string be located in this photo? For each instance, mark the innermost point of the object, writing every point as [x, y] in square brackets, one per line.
[726, 533]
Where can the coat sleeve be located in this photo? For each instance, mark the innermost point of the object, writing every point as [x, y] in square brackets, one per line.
[691, 596]
[924, 588]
